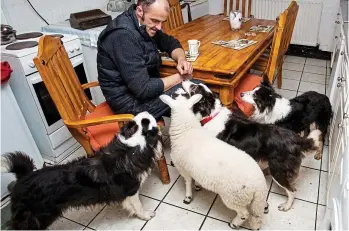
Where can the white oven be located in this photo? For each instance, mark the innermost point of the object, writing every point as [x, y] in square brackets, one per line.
[52, 137]
[43, 101]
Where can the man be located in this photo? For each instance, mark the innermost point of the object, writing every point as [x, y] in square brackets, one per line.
[128, 60]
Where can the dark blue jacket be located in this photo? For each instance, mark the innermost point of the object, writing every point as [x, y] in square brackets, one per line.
[128, 62]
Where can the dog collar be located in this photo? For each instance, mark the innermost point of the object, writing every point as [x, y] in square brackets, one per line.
[208, 119]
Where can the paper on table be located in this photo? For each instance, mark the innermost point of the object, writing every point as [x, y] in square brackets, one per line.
[235, 44]
[261, 28]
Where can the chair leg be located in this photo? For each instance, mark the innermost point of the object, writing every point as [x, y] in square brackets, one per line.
[83, 140]
[164, 175]
[279, 78]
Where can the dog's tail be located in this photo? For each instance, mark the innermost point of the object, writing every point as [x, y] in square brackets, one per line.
[312, 143]
[18, 163]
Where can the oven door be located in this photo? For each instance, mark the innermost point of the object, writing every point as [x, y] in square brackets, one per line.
[45, 105]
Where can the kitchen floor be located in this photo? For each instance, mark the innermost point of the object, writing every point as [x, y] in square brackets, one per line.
[207, 211]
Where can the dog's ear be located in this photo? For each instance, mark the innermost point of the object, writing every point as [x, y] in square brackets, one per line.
[129, 129]
[194, 99]
[167, 100]
[145, 125]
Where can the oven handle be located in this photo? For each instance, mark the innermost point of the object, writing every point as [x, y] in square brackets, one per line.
[77, 60]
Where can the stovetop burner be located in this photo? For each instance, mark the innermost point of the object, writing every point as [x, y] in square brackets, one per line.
[28, 35]
[22, 45]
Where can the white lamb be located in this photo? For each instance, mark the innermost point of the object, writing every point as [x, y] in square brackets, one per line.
[215, 165]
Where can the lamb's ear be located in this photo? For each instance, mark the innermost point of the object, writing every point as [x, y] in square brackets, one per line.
[167, 100]
[194, 99]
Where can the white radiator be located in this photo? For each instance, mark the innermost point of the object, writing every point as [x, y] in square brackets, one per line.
[307, 26]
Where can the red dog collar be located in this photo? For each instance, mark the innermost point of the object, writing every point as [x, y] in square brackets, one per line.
[208, 119]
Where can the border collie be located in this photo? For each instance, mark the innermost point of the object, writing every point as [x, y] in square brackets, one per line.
[115, 174]
[279, 149]
[302, 114]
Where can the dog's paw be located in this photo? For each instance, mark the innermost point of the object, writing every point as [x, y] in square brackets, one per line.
[284, 207]
[266, 209]
[318, 155]
[187, 200]
[233, 226]
[147, 215]
[197, 187]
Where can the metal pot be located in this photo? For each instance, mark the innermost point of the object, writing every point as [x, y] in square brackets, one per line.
[8, 34]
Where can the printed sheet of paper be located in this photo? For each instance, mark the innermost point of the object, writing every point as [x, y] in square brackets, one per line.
[235, 44]
[261, 28]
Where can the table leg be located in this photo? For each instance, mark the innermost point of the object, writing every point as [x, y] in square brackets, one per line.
[226, 95]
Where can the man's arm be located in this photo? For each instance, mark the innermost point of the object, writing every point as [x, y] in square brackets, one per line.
[128, 57]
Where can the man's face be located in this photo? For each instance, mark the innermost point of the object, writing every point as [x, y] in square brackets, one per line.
[152, 18]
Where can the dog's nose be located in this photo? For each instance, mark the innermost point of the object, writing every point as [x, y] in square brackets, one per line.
[242, 94]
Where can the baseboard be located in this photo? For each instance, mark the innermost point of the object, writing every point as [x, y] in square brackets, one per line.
[308, 52]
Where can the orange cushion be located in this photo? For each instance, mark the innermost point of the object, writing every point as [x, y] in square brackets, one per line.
[101, 135]
[248, 83]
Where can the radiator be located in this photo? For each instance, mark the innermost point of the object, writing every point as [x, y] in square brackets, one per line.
[307, 26]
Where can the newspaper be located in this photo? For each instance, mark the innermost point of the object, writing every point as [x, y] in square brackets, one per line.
[261, 28]
[235, 44]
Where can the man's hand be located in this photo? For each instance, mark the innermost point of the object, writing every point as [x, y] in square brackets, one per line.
[184, 67]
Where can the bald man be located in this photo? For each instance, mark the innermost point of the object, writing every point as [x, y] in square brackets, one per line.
[128, 60]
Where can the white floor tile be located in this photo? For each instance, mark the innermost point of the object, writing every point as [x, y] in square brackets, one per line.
[299, 93]
[324, 165]
[315, 69]
[65, 224]
[307, 185]
[170, 217]
[83, 215]
[328, 71]
[257, 72]
[202, 200]
[293, 66]
[286, 93]
[295, 75]
[213, 224]
[295, 59]
[78, 153]
[316, 62]
[114, 217]
[314, 78]
[320, 217]
[300, 217]
[153, 187]
[309, 161]
[288, 84]
[323, 188]
[307, 86]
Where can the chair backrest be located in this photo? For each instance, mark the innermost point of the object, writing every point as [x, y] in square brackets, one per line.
[282, 38]
[60, 79]
[175, 18]
[238, 5]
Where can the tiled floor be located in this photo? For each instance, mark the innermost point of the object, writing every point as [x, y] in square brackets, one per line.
[207, 211]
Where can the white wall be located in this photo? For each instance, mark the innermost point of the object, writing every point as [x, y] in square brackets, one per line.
[22, 17]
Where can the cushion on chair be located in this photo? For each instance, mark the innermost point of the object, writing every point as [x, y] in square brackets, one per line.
[101, 135]
[248, 83]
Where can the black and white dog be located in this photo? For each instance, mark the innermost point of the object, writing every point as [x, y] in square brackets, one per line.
[271, 146]
[115, 174]
[301, 114]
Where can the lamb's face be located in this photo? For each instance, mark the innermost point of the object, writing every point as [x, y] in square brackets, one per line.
[180, 100]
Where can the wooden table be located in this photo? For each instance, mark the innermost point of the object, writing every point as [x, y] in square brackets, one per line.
[219, 67]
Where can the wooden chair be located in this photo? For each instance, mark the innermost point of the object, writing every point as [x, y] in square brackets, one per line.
[230, 6]
[175, 18]
[271, 64]
[94, 129]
